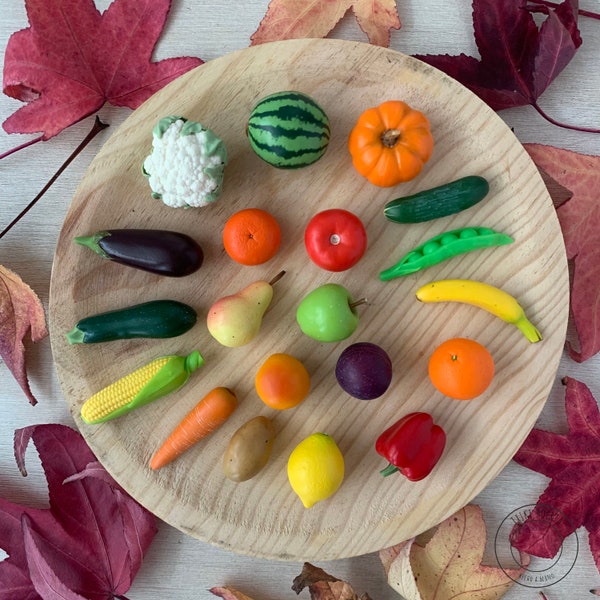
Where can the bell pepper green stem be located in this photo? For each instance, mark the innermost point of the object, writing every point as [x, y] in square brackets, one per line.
[389, 470]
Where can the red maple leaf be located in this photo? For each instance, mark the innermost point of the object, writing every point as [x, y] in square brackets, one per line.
[579, 220]
[88, 544]
[72, 59]
[572, 461]
[519, 59]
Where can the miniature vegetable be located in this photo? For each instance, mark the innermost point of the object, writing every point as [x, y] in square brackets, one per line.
[288, 130]
[335, 239]
[485, 296]
[153, 319]
[390, 143]
[148, 383]
[186, 165]
[413, 445]
[209, 414]
[443, 246]
[437, 202]
[249, 449]
[154, 250]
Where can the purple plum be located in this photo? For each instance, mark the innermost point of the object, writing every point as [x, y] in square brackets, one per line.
[364, 370]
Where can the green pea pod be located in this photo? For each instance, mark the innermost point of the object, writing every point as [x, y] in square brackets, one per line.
[443, 246]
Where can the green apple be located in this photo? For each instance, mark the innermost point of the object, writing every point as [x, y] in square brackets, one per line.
[328, 314]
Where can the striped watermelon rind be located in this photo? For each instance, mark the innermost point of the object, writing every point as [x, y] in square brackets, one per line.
[288, 130]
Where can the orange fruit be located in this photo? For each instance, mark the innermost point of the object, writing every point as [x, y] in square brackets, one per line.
[251, 236]
[282, 381]
[461, 369]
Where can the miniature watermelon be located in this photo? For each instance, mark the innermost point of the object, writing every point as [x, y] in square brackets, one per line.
[288, 130]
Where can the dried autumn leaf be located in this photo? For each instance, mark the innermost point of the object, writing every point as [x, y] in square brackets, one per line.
[288, 19]
[519, 59]
[323, 586]
[20, 312]
[320, 584]
[72, 59]
[579, 219]
[91, 540]
[228, 593]
[448, 566]
[572, 462]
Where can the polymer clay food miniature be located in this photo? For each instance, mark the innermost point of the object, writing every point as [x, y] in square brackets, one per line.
[288, 130]
[390, 143]
[152, 319]
[158, 251]
[150, 382]
[315, 468]
[235, 320]
[186, 165]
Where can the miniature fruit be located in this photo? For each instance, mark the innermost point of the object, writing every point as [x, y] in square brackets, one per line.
[282, 381]
[249, 449]
[251, 236]
[461, 368]
[328, 313]
[390, 143]
[483, 295]
[235, 320]
[335, 239]
[364, 370]
[288, 130]
[315, 468]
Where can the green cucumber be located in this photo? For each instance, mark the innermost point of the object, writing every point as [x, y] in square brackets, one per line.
[154, 319]
[288, 130]
[440, 201]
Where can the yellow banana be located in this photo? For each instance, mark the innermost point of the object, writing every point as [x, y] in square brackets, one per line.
[490, 298]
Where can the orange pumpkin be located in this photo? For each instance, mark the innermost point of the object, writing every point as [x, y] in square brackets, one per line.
[390, 143]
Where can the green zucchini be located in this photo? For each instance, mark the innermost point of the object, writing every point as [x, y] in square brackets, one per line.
[154, 319]
[440, 201]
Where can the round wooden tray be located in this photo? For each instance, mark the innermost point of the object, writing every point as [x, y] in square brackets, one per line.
[263, 517]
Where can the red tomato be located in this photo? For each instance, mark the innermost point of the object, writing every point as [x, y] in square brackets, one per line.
[335, 239]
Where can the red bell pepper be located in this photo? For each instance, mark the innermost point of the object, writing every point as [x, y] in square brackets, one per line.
[413, 445]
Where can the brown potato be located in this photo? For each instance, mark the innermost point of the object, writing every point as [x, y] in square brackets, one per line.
[249, 449]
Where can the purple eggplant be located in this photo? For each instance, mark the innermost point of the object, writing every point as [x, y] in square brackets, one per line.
[157, 251]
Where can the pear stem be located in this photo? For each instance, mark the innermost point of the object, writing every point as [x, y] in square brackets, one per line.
[277, 278]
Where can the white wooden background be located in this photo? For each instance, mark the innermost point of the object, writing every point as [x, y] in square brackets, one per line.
[177, 566]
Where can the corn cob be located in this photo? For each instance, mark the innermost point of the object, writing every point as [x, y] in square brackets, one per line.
[158, 378]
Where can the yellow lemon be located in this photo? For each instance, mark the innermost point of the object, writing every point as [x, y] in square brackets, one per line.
[315, 468]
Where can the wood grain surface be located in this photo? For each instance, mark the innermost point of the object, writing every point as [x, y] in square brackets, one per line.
[263, 517]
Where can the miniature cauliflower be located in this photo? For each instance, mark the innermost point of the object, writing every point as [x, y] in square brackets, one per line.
[185, 167]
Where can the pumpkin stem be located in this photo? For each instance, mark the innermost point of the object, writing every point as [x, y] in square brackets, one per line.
[390, 137]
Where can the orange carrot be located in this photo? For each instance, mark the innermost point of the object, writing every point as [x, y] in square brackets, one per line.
[209, 414]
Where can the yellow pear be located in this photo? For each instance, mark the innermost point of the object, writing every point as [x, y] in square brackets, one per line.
[235, 320]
